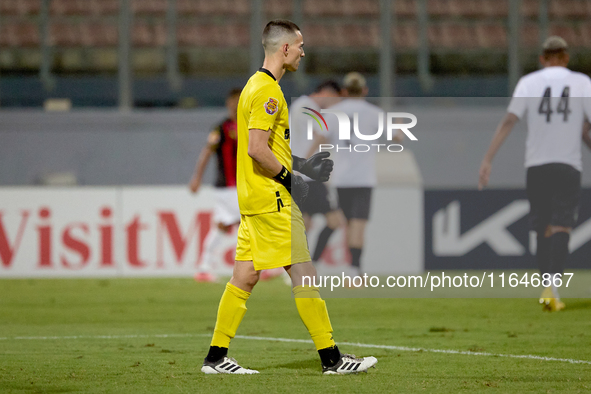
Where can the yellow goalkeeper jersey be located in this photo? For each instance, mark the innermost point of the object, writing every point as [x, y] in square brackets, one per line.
[262, 106]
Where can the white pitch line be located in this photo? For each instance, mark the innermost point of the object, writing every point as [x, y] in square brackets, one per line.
[420, 349]
[291, 340]
[105, 337]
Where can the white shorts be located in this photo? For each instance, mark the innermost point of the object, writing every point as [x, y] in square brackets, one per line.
[226, 210]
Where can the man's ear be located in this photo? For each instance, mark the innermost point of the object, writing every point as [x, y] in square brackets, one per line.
[285, 49]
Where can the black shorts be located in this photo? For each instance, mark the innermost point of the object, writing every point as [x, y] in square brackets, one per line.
[355, 202]
[317, 200]
[554, 192]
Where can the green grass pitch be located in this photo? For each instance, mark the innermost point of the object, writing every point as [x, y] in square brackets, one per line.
[109, 336]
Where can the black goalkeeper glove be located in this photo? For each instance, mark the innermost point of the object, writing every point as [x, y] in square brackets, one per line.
[299, 190]
[318, 166]
[294, 184]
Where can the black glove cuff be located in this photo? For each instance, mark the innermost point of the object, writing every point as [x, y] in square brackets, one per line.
[284, 177]
[298, 162]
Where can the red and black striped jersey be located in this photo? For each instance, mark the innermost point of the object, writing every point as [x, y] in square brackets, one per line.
[224, 143]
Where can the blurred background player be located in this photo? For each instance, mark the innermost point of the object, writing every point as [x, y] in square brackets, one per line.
[354, 175]
[223, 143]
[303, 113]
[303, 145]
[555, 102]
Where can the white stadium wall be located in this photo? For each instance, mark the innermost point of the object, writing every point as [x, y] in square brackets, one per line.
[159, 231]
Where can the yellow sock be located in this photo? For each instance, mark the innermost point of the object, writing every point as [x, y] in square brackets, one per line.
[312, 310]
[230, 313]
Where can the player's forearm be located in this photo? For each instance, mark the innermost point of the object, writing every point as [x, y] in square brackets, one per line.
[201, 164]
[265, 158]
[503, 130]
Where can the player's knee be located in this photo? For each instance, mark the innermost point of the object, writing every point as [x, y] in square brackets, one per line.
[245, 281]
[251, 279]
[298, 271]
[334, 220]
[552, 229]
[244, 276]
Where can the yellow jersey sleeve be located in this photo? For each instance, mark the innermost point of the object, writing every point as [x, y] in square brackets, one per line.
[265, 106]
[262, 106]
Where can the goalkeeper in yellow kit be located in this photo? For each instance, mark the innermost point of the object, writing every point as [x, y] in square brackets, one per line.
[271, 232]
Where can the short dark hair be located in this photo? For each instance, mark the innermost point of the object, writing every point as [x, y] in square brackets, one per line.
[554, 46]
[277, 27]
[329, 84]
[234, 92]
[550, 53]
[354, 82]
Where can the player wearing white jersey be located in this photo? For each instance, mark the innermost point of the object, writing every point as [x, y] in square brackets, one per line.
[355, 174]
[303, 112]
[556, 102]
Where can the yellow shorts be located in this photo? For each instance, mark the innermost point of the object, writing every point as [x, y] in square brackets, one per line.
[273, 240]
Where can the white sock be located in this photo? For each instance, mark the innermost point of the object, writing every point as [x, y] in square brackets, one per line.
[554, 288]
[210, 244]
